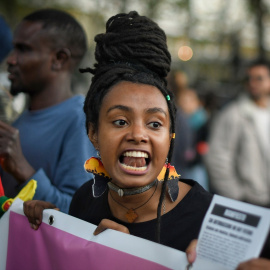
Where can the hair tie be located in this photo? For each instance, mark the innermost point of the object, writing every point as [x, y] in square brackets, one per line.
[168, 97]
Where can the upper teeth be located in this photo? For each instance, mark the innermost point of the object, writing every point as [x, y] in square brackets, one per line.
[135, 154]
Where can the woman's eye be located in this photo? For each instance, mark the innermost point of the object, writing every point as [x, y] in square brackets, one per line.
[120, 122]
[155, 124]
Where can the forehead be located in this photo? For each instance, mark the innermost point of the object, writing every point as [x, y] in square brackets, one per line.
[260, 69]
[135, 95]
[28, 32]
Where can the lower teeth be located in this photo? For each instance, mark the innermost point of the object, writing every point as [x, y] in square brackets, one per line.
[134, 168]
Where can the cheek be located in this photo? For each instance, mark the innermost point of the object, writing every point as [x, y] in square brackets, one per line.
[29, 68]
[163, 145]
[107, 144]
[167, 148]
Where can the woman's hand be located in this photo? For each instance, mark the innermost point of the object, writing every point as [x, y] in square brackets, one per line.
[255, 264]
[34, 210]
[191, 251]
[108, 224]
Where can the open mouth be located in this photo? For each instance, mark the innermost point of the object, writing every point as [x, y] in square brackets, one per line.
[134, 160]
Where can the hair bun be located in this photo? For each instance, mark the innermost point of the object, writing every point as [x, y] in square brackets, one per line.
[135, 39]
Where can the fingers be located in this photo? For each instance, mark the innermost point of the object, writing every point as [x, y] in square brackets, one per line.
[8, 131]
[109, 224]
[12, 159]
[191, 251]
[6, 127]
[255, 264]
[9, 140]
[33, 210]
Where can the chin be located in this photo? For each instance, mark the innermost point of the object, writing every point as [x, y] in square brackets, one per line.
[14, 91]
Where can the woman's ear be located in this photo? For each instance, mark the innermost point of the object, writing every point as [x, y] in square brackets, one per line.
[92, 135]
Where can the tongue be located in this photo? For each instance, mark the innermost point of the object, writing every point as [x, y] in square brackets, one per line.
[134, 161]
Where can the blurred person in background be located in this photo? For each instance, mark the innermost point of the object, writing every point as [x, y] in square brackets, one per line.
[192, 124]
[177, 82]
[47, 142]
[183, 143]
[7, 112]
[5, 39]
[190, 103]
[238, 160]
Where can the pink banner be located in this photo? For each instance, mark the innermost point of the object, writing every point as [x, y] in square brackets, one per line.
[50, 248]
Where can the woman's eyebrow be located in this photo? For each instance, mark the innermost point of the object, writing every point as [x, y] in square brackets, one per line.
[128, 109]
[119, 107]
[155, 110]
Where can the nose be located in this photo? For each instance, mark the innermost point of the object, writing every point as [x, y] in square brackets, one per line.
[137, 134]
[12, 59]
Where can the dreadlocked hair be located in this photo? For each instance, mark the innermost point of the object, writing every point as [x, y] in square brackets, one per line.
[133, 49]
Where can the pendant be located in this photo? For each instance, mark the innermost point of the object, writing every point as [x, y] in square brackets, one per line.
[131, 215]
[120, 192]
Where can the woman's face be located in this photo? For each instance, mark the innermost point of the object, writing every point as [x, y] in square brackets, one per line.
[133, 134]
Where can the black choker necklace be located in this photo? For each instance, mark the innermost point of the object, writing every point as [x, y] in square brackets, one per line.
[130, 191]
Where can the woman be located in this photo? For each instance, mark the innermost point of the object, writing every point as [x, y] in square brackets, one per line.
[130, 121]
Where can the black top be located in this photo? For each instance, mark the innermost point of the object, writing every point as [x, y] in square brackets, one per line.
[178, 227]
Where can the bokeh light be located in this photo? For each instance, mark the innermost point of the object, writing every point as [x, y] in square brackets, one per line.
[185, 53]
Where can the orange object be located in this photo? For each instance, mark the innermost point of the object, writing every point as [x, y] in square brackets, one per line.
[94, 165]
[202, 148]
[172, 173]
